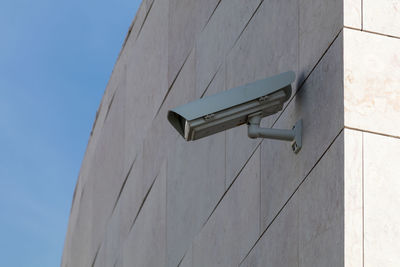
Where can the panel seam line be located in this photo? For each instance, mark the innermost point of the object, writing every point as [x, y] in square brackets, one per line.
[371, 132]
[372, 32]
[363, 215]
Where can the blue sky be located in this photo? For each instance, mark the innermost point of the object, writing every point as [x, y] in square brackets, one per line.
[55, 60]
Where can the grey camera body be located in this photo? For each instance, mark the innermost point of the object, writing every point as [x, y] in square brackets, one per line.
[231, 108]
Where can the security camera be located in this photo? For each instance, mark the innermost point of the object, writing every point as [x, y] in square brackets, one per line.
[245, 104]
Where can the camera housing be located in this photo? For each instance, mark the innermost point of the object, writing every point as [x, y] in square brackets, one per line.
[231, 108]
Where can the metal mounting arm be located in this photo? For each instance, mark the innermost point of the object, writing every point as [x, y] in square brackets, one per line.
[294, 135]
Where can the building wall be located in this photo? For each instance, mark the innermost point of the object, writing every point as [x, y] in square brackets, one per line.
[145, 197]
[372, 121]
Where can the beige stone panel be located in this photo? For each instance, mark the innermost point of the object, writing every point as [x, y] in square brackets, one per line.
[219, 36]
[352, 13]
[382, 16]
[319, 103]
[321, 210]
[320, 22]
[146, 243]
[233, 227]
[372, 82]
[381, 200]
[186, 20]
[353, 199]
[278, 246]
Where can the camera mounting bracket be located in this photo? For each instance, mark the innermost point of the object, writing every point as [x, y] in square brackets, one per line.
[294, 135]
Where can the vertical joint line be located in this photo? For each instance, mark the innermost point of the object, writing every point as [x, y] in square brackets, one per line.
[362, 193]
[362, 15]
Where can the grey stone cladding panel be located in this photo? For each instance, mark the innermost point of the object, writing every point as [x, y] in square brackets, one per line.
[195, 183]
[73, 218]
[320, 22]
[309, 230]
[107, 173]
[187, 260]
[278, 246]
[137, 24]
[319, 103]
[161, 136]
[217, 83]
[187, 19]
[106, 169]
[219, 36]
[146, 242]
[321, 211]
[267, 47]
[81, 234]
[233, 227]
[130, 199]
[146, 79]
